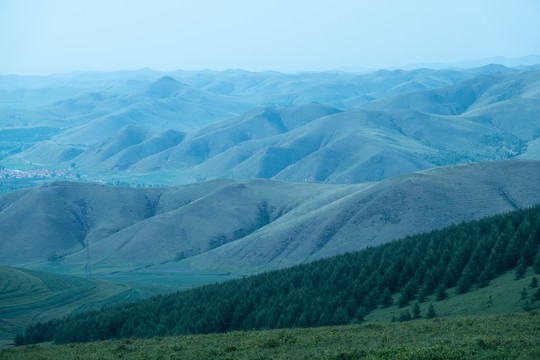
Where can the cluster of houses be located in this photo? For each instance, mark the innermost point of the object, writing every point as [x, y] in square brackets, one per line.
[37, 173]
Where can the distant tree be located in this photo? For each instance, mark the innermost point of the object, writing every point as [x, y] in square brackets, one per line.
[416, 310]
[483, 280]
[423, 293]
[19, 340]
[521, 268]
[405, 316]
[465, 281]
[441, 292]
[386, 298]
[359, 315]
[534, 282]
[403, 299]
[536, 295]
[431, 312]
[536, 264]
[523, 293]
[340, 316]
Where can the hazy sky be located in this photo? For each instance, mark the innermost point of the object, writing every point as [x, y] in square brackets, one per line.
[42, 37]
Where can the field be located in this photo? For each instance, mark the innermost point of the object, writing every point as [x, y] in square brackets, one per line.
[515, 336]
[27, 296]
[503, 295]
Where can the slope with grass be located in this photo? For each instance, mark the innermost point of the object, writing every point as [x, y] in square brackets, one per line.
[245, 226]
[28, 296]
[272, 125]
[488, 337]
[472, 256]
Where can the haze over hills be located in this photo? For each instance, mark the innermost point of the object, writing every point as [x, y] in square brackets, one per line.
[254, 224]
[314, 127]
[278, 169]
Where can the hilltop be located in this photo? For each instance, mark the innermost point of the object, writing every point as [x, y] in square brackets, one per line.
[314, 127]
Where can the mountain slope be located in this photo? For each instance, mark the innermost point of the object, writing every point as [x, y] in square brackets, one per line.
[383, 211]
[247, 225]
[89, 107]
[30, 296]
[333, 291]
[489, 117]
[474, 338]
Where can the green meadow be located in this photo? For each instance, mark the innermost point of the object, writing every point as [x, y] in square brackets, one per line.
[513, 336]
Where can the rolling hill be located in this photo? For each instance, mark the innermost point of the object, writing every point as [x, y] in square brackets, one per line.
[384, 138]
[307, 126]
[443, 264]
[246, 226]
[486, 117]
[28, 296]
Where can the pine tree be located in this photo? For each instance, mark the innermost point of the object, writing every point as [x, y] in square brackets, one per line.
[386, 299]
[359, 315]
[523, 293]
[416, 311]
[403, 299]
[19, 340]
[521, 268]
[536, 264]
[536, 295]
[431, 312]
[405, 316]
[423, 293]
[441, 292]
[340, 317]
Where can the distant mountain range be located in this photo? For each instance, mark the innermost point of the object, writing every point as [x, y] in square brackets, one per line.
[268, 170]
[309, 127]
[249, 225]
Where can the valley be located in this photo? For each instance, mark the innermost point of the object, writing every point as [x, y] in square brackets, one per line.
[119, 186]
[140, 127]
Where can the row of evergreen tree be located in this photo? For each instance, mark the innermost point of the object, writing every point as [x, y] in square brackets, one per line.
[332, 291]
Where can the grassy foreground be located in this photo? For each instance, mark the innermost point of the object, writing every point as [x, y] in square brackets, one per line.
[514, 336]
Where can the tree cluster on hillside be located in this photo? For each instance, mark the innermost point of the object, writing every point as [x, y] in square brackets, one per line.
[332, 291]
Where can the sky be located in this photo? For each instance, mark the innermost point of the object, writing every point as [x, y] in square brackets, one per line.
[40, 37]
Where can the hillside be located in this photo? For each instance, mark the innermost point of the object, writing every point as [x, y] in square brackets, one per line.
[446, 263]
[504, 337]
[316, 127]
[255, 224]
[475, 120]
[28, 296]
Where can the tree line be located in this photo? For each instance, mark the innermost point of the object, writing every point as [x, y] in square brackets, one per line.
[332, 291]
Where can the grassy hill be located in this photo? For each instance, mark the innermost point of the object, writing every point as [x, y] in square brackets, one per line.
[245, 226]
[28, 296]
[317, 127]
[488, 337]
[461, 270]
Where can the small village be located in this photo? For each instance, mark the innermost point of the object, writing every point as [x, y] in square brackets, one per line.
[36, 173]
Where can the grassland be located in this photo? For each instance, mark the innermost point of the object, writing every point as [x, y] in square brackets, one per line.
[503, 295]
[28, 296]
[514, 336]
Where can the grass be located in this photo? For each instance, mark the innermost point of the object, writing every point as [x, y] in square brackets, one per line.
[28, 296]
[501, 296]
[513, 336]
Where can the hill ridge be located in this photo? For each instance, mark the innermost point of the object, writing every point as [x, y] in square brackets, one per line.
[256, 224]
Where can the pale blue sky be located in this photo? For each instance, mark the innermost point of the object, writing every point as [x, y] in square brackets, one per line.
[42, 37]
